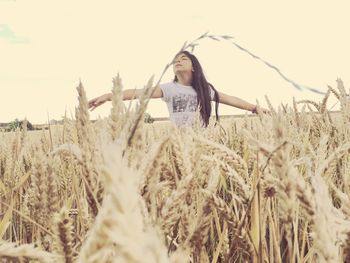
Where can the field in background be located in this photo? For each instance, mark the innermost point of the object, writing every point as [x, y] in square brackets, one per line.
[269, 188]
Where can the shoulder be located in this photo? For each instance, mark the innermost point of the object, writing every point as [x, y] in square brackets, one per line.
[167, 84]
[168, 89]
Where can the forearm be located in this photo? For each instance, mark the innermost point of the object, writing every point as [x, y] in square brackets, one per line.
[239, 103]
[128, 94]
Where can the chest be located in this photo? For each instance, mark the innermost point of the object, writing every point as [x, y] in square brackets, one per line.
[186, 101]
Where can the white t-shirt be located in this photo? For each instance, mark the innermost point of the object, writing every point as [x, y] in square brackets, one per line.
[182, 103]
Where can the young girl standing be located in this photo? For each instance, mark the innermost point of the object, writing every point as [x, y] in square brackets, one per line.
[185, 93]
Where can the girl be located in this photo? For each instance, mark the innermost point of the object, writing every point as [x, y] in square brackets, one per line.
[182, 96]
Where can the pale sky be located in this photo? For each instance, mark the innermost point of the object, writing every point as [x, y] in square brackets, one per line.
[47, 46]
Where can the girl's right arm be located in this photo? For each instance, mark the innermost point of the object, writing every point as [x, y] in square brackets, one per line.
[128, 94]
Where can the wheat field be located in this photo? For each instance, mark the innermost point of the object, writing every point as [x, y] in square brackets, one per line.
[269, 188]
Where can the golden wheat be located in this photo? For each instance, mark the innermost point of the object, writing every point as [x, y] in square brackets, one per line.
[274, 188]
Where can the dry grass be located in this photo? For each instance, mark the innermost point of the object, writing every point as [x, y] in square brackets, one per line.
[263, 189]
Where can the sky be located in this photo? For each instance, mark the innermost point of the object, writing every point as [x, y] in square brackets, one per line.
[47, 47]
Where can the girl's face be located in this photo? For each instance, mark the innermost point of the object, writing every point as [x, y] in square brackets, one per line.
[182, 63]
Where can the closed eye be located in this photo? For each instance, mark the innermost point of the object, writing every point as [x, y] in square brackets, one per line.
[181, 58]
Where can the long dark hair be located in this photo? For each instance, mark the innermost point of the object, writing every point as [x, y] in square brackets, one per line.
[202, 88]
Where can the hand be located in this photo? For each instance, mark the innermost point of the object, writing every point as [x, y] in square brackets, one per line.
[94, 103]
[258, 110]
[265, 111]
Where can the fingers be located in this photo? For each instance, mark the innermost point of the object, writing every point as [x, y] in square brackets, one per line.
[263, 111]
[93, 104]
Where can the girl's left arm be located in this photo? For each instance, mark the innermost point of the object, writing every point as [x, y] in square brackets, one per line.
[236, 102]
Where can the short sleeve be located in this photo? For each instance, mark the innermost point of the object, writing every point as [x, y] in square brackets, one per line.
[166, 90]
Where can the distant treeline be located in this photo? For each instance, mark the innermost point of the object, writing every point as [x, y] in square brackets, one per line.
[17, 124]
[20, 124]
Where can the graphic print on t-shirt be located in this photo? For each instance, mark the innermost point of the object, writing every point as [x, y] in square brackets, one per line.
[184, 102]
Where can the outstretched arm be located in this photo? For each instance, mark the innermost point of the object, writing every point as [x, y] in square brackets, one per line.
[239, 103]
[236, 102]
[128, 94]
